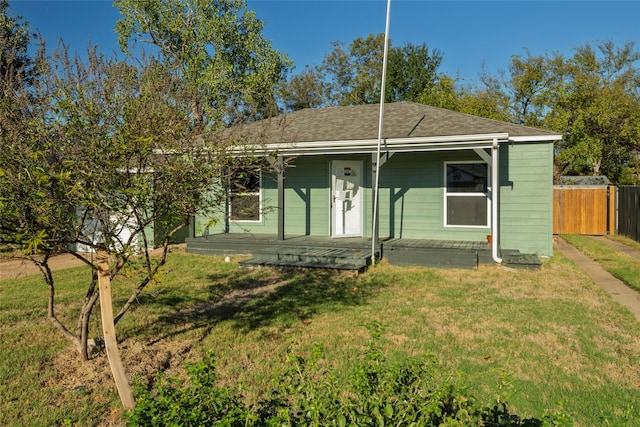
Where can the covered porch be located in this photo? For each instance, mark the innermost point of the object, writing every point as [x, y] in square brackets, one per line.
[352, 253]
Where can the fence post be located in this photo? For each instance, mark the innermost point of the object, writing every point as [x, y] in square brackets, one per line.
[611, 214]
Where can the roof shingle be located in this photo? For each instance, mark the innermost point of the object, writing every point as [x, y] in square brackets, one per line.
[401, 120]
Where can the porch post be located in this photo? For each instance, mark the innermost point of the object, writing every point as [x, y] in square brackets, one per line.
[227, 203]
[280, 169]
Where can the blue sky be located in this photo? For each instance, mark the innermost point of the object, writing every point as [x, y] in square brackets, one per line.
[470, 34]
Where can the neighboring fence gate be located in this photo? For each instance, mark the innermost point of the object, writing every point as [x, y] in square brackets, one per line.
[583, 209]
[629, 211]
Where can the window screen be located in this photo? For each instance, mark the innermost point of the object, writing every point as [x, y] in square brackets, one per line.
[466, 194]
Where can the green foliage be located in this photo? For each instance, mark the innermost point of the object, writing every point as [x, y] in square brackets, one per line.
[351, 75]
[598, 107]
[447, 93]
[16, 66]
[201, 403]
[408, 392]
[304, 90]
[412, 71]
[86, 164]
[218, 49]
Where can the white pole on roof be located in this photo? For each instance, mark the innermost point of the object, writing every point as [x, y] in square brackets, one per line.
[374, 226]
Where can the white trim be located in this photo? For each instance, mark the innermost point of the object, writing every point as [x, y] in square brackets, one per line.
[365, 146]
[350, 150]
[332, 222]
[538, 138]
[474, 194]
[483, 155]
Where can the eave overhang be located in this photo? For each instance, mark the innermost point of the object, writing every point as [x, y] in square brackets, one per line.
[400, 145]
[366, 146]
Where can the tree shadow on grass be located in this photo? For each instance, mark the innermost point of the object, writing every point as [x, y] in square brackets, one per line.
[252, 300]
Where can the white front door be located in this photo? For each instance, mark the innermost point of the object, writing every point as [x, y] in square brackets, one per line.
[346, 198]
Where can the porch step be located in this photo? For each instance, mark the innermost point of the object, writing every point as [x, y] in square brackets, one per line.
[432, 257]
[310, 257]
[516, 259]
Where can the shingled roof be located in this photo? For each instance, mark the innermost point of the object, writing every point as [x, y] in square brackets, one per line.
[401, 120]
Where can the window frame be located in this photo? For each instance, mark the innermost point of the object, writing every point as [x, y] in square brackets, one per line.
[484, 194]
[231, 194]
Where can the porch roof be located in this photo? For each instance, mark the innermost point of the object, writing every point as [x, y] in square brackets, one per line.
[407, 127]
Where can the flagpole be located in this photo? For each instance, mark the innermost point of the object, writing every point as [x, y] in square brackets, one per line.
[374, 226]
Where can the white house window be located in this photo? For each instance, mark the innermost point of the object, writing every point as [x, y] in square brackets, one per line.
[466, 194]
[244, 196]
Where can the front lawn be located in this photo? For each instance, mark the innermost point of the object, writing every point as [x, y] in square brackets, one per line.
[543, 341]
[618, 264]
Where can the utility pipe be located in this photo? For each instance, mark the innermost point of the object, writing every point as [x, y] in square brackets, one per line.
[374, 225]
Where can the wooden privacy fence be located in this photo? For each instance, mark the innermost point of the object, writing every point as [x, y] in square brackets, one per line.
[583, 209]
[629, 211]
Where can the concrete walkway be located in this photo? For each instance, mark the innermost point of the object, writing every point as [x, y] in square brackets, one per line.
[12, 268]
[620, 292]
[621, 247]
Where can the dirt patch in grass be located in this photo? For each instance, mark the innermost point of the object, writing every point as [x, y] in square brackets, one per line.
[141, 360]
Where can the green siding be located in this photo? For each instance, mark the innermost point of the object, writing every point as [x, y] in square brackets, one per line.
[411, 198]
[268, 222]
[307, 196]
[526, 194]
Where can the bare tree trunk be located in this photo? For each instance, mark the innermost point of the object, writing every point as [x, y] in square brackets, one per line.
[48, 278]
[151, 270]
[83, 324]
[82, 328]
[110, 341]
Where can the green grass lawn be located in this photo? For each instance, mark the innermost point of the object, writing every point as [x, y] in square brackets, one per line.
[618, 264]
[546, 340]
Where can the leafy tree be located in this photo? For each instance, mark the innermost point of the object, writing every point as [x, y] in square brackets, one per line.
[483, 102]
[593, 98]
[97, 152]
[304, 90]
[106, 153]
[598, 108]
[218, 50]
[16, 66]
[533, 84]
[351, 75]
[412, 72]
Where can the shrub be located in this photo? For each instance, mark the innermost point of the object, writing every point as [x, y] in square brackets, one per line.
[200, 403]
[410, 392]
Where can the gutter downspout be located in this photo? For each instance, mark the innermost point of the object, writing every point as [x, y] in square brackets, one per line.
[495, 185]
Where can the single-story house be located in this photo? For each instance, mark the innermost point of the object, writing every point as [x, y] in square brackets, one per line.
[443, 176]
